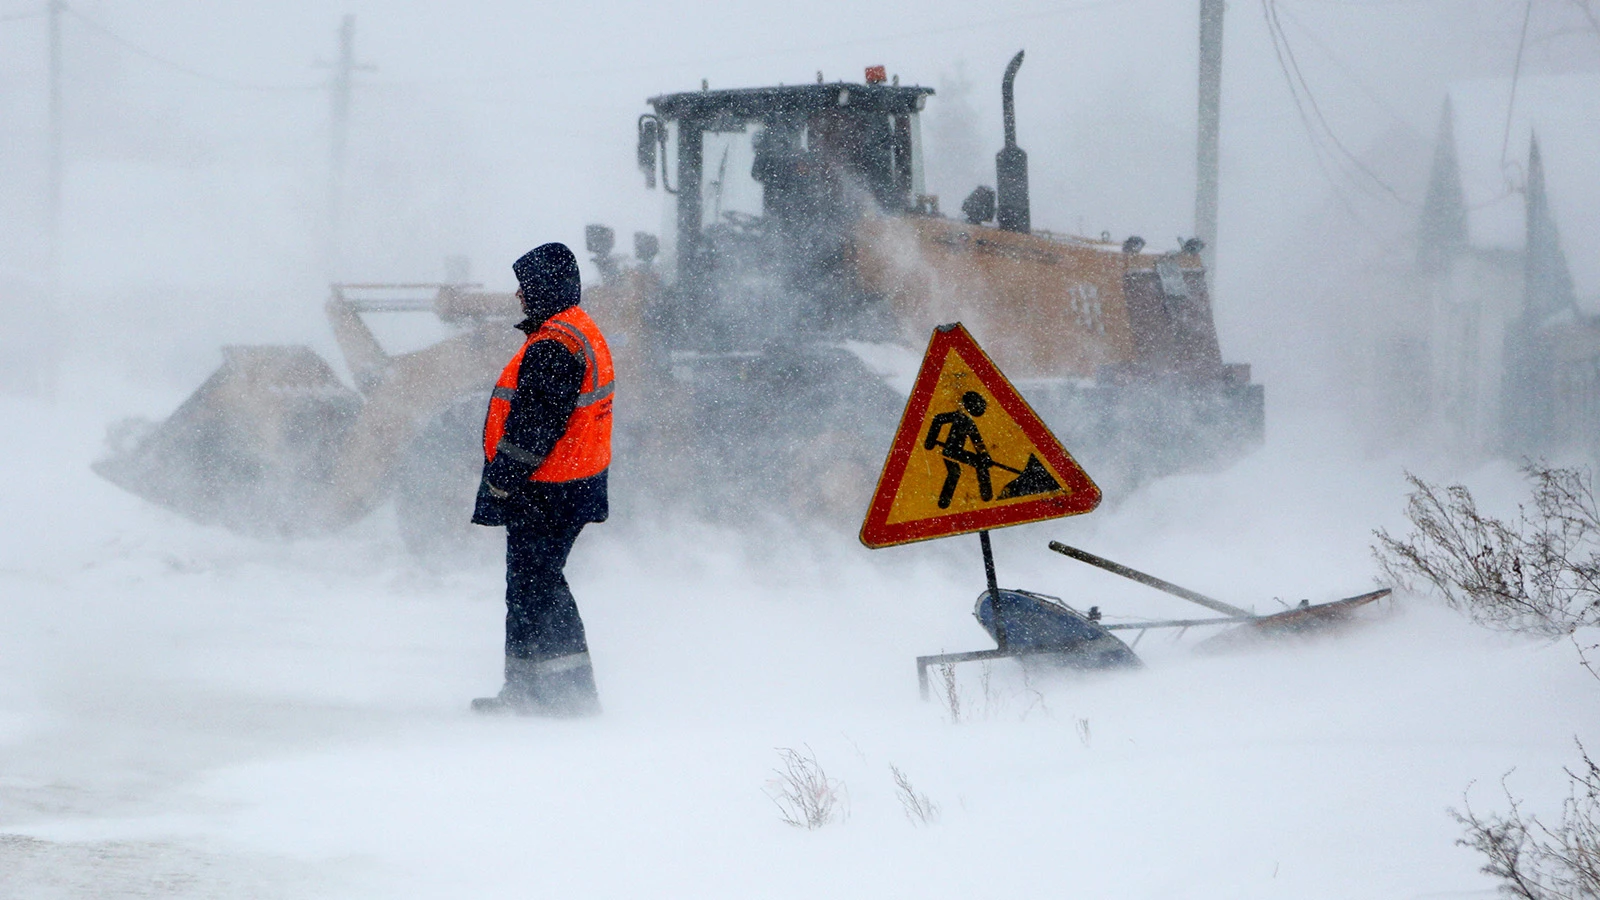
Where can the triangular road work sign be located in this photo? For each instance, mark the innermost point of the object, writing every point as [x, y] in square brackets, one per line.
[970, 455]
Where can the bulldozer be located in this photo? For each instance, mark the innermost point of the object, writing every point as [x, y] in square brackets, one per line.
[763, 340]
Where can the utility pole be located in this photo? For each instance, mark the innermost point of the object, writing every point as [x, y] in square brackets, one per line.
[340, 88]
[1207, 151]
[57, 163]
[48, 361]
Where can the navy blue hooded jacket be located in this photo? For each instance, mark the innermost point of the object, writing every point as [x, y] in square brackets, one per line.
[547, 393]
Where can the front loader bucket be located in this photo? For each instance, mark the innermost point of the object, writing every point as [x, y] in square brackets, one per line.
[253, 449]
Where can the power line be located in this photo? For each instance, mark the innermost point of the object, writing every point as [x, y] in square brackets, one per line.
[1311, 100]
[1324, 136]
[1583, 7]
[1374, 4]
[780, 51]
[945, 29]
[160, 60]
[235, 84]
[1516, 74]
[1317, 150]
[1349, 73]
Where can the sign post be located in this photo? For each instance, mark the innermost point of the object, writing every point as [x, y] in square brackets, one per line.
[971, 455]
[994, 590]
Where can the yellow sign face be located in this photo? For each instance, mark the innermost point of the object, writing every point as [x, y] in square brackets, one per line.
[951, 429]
[970, 455]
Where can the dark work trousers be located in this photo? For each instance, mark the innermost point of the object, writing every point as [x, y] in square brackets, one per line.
[541, 615]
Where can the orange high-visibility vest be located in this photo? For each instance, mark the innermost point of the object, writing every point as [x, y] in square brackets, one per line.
[584, 450]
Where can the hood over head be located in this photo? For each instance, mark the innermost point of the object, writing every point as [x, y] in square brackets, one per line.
[548, 275]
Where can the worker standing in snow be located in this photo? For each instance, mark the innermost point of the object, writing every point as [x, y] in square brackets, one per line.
[547, 446]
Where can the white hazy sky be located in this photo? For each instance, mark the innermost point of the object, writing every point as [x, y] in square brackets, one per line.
[487, 127]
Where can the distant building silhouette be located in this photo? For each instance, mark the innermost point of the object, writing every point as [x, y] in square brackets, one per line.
[1509, 359]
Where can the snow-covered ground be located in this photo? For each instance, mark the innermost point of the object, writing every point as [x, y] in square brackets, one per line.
[188, 713]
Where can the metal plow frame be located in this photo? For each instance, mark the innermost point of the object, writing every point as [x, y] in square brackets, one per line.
[1305, 619]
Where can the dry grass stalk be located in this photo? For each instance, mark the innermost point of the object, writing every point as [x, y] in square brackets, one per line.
[951, 692]
[804, 794]
[989, 699]
[919, 809]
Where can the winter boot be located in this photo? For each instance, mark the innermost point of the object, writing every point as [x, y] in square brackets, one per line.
[519, 696]
[564, 686]
[560, 686]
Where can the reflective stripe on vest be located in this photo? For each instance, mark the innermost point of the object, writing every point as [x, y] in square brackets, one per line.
[584, 449]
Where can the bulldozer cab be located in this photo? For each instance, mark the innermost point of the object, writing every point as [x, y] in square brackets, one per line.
[764, 187]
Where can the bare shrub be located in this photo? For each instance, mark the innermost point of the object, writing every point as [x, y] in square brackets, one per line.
[919, 809]
[1538, 574]
[1583, 657]
[1083, 731]
[804, 794]
[1534, 861]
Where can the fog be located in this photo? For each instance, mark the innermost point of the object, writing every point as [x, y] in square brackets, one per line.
[185, 711]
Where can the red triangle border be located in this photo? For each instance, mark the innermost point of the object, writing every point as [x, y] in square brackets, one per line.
[1083, 494]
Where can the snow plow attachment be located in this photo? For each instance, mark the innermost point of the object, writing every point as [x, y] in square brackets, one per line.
[1303, 620]
[1042, 629]
[1036, 624]
[252, 450]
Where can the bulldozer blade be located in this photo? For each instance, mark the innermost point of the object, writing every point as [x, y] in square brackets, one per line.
[1303, 621]
[252, 450]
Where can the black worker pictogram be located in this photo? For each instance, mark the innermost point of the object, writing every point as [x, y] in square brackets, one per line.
[1031, 479]
[963, 431]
